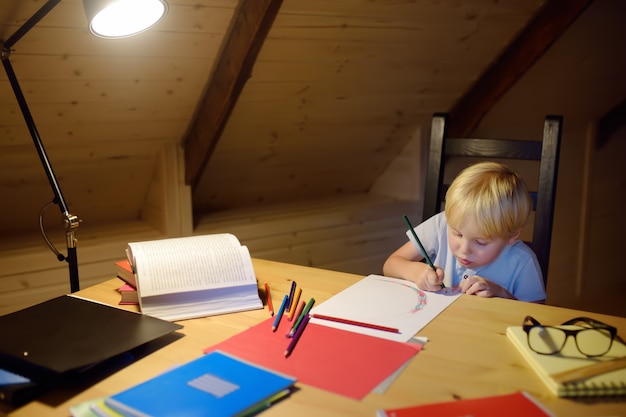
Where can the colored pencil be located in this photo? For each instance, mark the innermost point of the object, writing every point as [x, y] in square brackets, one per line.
[417, 239]
[268, 294]
[297, 335]
[305, 312]
[294, 304]
[291, 294]
[298, 314]
[356, 323]
[281, 310]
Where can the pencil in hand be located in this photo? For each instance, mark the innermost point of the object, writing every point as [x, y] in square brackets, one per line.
[419, 243]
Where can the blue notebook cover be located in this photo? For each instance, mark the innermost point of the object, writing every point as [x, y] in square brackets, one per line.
[216, 384]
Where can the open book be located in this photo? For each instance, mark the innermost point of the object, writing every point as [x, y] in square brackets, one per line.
[197, 276]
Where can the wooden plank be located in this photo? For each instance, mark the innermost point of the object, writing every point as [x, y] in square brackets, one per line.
[549, 23]
[383, 9]
[70, 42]
[289, 227]
[87, 71]
[76, 113]
[295, 208]
[98, 134]
[416, 26]
[168, 204]
[319, 254]
[247, 33]
[32, 274]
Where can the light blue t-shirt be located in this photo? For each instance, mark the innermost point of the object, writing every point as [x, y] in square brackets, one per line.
[516, 268]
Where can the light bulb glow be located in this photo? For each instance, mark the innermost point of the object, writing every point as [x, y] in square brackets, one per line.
[127, 17]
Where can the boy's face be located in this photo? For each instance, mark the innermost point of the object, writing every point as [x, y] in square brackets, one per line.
[470, 246]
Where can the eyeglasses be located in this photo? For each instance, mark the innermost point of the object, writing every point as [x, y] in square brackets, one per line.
[592, 337]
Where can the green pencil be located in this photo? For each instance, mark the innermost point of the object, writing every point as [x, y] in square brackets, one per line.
[417, 239]
[304, 312]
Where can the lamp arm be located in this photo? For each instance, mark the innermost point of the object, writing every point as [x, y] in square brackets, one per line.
[71, 221]
[35, 135]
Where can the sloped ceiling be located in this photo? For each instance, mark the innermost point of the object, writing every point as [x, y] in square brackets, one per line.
[337, 89]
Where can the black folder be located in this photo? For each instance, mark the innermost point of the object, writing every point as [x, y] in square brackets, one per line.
[69, 334]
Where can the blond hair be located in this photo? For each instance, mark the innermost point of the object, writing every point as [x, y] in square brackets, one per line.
[491, 195]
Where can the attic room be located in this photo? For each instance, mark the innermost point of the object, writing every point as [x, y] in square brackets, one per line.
[302, 127]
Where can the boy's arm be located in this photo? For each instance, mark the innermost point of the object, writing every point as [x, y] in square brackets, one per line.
[405, 263]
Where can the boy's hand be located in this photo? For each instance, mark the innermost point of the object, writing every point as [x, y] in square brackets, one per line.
[482, 287]
[430, 280]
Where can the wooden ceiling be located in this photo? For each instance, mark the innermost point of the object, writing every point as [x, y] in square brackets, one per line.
[273, 100]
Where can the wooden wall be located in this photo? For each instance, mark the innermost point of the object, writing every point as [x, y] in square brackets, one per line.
[353, 233]
[30, 272]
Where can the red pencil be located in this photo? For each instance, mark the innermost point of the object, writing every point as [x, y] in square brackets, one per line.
[268, 294]
[356, 323]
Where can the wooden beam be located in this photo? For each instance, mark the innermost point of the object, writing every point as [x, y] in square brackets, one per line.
[610, 122]
[249, 28]
[552, 20]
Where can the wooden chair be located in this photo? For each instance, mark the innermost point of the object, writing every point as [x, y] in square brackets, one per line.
[546, 152]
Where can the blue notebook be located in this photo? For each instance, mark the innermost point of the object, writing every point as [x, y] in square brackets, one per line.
[216, 384]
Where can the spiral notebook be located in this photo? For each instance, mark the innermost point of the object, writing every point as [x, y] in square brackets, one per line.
[552, 368]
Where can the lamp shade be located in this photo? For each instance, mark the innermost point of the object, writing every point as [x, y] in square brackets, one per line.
[123, 18]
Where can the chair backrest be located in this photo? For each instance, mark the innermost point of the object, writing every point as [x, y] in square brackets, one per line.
[545, 151]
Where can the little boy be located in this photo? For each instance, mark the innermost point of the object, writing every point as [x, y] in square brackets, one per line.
[474, 242]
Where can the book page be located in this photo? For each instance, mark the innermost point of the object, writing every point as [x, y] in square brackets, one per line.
[188, 264]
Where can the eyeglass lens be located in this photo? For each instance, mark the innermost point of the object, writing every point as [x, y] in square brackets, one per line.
[550, 340]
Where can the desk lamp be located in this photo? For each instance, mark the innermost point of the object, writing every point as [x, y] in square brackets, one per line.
[107, 19]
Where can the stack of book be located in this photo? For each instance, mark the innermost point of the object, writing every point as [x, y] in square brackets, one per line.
[128, 291]
[189, 277]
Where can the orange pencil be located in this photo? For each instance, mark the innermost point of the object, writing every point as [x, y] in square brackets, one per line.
[268, 294]
[294, 304]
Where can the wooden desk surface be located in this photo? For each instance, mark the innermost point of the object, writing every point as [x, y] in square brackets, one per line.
[468, 354]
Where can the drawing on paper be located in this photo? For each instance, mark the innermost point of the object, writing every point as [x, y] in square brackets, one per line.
[422, 298]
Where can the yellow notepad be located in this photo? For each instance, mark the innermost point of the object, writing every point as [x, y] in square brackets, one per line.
[548, 367]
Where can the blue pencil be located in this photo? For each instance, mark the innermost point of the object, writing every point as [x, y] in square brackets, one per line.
[281, 310]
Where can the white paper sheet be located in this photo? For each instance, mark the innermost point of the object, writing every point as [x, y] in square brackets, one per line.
[385, 301]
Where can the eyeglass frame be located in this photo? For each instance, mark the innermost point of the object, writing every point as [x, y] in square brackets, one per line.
[594, 324]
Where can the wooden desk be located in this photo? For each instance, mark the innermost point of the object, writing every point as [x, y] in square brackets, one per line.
[468, 354]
